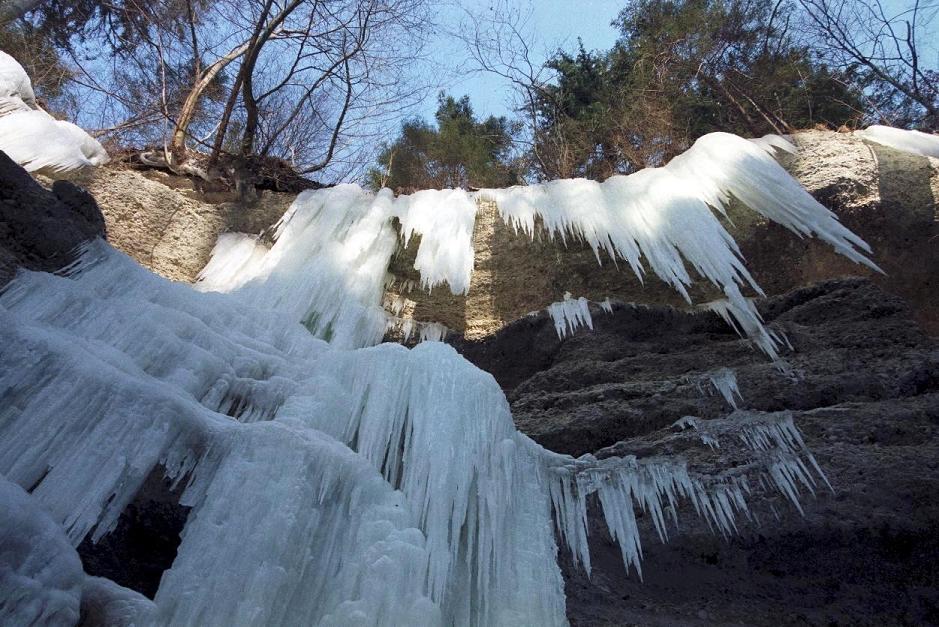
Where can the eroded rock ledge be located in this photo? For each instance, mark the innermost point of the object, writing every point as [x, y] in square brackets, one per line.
[863, 388]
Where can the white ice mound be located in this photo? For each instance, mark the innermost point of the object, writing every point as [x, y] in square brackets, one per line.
[333, 247]
[40, 573]
[32, 137]
[327, 486]
[914, 142]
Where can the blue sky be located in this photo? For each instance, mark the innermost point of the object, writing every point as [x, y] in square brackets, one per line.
[553, 24]
[557, 24]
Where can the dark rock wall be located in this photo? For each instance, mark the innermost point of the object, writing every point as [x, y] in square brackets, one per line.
[40, 228]
[864, 390]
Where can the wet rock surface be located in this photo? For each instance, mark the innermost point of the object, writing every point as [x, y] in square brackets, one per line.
[40, 228]
[143, 544]
[863, 386]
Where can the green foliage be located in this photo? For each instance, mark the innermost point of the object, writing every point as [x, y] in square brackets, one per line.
[460, 151]
[682, 68]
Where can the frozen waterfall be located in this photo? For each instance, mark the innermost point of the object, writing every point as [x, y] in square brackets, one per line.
[334, 480]
[658, 219]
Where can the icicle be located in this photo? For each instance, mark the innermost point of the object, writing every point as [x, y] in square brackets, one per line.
[724, 381]
[663, 213]
[658, 218]
[742, 316]
[913, 142]
[606, 305]
[129, 378]
[656, 484]
[332, 486]
[326, 269]
[771, 143]
[406, 328]
[570, 314]
[444, 219]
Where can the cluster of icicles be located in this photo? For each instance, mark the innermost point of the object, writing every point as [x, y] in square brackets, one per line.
[344, 481]
[660, 220]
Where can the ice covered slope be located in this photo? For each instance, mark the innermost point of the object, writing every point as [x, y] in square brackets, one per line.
[40, 573]
[328, 486]
[32, 137]
[661, 220]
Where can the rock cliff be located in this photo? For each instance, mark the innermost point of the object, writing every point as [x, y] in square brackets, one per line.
[862, 385]
[861, 380]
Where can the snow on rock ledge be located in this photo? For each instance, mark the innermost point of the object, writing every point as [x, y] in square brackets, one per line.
[32, 137]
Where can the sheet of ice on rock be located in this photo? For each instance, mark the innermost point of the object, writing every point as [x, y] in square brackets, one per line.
[913, 142]
[328, 265]
[327, 486]
[662, 219]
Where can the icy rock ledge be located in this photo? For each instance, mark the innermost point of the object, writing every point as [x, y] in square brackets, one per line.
[663, 220]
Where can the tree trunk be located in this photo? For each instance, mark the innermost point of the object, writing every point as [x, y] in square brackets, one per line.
[192, 100]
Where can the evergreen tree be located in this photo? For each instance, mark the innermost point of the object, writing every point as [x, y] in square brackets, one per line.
[461, 151]
[681, 69]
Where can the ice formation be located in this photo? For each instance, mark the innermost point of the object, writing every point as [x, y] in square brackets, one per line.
[914, 142]
[40, 573]
[656, 219]
[328, 486]
[771, 143]
[724, 381]
[334, 481]
[570, 314]
[32, 137]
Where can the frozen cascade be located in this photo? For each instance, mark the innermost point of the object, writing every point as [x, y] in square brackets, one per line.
[570, 314]
[724, 381]
[327, 486]
[655, 219]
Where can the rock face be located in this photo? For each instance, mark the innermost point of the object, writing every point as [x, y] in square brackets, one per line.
[40, 228]
[863, 386]
[169, 225]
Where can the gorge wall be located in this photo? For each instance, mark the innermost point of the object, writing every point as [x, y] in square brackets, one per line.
[862, 384]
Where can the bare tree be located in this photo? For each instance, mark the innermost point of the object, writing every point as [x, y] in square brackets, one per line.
[499, 43]
[884, 44]
[221, 88]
